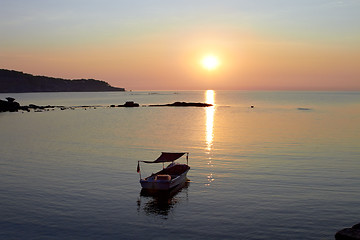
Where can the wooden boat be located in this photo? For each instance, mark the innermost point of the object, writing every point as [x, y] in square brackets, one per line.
[169, 177]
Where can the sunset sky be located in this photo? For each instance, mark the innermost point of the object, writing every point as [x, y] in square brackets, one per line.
[161, 45]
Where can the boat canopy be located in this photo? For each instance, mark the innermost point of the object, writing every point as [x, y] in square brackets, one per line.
[166, 157]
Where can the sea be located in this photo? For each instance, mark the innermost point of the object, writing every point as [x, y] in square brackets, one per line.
[264, 165]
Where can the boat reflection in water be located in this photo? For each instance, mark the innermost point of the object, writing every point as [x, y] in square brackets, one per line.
[155, 202]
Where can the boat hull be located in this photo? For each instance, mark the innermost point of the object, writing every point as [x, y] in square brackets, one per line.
[163, 184]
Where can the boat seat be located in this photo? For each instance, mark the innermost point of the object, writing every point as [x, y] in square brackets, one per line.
[163, 177]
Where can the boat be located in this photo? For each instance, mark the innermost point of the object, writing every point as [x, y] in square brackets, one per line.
[169, 177]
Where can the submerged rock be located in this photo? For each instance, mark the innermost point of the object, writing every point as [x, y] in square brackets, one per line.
[36, 107]
[183, 104]
[352, 233]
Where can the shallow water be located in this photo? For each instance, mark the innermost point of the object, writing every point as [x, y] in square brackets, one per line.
[286, 169]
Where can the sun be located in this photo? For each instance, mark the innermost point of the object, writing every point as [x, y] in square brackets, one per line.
[210, 62]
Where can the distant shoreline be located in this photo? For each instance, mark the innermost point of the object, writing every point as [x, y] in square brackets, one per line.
[18, 82]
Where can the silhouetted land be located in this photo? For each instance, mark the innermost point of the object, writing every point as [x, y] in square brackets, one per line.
[12, 106]
[19, 82]
[183, 104]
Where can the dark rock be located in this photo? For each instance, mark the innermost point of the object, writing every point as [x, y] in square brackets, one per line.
[36, 107]
[10, 99]
[349, 233]
[129, 104]
[25, 108]
[183, 104]
[356, 226]
[33, 106]
[9, 106]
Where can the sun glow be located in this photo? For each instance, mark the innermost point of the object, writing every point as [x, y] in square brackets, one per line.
[210, 62]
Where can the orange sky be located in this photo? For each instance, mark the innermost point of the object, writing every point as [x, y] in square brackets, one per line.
[270, 45]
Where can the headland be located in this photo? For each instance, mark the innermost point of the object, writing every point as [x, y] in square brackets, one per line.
[18, 82]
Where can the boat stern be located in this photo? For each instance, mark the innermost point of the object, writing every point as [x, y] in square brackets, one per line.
[155, 184]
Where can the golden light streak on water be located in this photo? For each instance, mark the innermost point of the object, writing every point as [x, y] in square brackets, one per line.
[210, 112]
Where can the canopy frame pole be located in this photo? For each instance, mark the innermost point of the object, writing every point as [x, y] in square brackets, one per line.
[138, 169]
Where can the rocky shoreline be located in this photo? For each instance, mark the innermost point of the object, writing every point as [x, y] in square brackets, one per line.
[12, 106]
[183, 104]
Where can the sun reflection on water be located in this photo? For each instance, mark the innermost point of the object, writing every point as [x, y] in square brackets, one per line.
[210, 112]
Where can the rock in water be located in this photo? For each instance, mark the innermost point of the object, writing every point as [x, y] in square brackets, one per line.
[9, 106]
[129, 104]
[183, 104]
[349, 233]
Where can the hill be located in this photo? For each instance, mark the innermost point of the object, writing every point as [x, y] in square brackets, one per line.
[18, 82]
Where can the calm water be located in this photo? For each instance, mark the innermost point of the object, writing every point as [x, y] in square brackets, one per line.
[270, 172]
